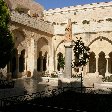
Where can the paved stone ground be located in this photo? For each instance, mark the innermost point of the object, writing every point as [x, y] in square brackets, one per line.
[23, 86]
[67, 102]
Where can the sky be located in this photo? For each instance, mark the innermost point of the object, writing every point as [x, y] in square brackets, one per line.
[52, 4]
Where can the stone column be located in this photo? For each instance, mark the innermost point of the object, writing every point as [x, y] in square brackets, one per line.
[51, 58]
[107, 73]
[68, 61]
[97, 73]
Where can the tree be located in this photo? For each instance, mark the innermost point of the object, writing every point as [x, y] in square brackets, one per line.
[6, 40]
[81, 54]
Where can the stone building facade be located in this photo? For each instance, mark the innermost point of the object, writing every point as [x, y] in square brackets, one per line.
[91, 22]
[39, 37]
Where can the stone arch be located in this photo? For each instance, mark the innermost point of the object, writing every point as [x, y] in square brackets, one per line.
[42, 54]
[110, 63]
[102, 64]
[19, 36]
[92, 63]
[97, 45]
[56, 51]
[42, 45]
[101, 38]
[59, 44]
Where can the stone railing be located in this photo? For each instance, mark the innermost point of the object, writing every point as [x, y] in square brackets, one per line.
[32, 22]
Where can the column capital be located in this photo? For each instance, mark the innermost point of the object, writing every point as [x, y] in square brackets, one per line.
[107, 56]
[19, 54]
[68, 44]
[96, 56]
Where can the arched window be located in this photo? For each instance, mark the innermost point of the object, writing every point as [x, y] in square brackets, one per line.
[92, 63]
[102, 63]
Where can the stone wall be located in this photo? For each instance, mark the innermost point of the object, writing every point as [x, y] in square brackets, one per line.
[92, 22]
[87, 18]
[37, 24]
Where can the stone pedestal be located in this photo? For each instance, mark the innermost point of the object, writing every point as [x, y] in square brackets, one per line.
[68, 61]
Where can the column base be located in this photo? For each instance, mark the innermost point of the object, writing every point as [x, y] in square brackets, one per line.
[107, 74]
[97, 74]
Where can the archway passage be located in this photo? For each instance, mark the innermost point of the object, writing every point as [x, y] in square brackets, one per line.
[92, 63]
[22, 61]
[42, 62]
[42, 54]
[102, 64]
[110, 63]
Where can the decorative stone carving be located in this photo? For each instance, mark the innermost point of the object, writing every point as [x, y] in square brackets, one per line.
[68, 31]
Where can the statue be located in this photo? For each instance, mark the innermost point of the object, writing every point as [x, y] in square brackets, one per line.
[68, 31]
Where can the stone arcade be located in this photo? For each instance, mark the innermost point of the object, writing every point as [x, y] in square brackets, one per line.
[39, 37]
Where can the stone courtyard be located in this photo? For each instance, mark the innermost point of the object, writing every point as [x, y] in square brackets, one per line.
[25, 92]
[41, 39]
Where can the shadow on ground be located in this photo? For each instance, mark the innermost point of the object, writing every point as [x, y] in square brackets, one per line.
[67, 101]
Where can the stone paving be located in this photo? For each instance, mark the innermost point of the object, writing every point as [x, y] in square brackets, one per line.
[31, 85]
[25, 86]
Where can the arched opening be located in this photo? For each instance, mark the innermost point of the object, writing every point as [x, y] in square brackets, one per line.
[110, 63]
[39, 61]
[60, 59]
[92, 63]
[60, 47]
[42, 54]
[45, 62]
[102, 64]
[13, 63]
[22, 61]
